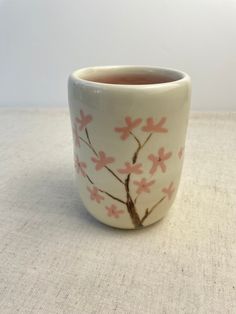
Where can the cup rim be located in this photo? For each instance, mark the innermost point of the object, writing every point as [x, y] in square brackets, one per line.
[77, 76]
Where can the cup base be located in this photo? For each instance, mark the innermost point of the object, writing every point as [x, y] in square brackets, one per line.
[128, 228]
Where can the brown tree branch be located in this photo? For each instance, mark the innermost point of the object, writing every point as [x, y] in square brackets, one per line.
[149, 211]
[89, 179]
[107, 193]
[112, 196]
[95, 153]
[86, 131]
[136, 198]
[135, 137]
[130, 203]
[135, 156]
[89, 145]
[140, 146]
[113, 173]
[131, 206]
[147, 139]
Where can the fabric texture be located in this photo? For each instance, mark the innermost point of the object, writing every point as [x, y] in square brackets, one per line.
[56, 258]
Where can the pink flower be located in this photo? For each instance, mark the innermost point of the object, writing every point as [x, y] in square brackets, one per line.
[152, 127]
[76, 136]
[143, 185]
[130, 168]
[130, 125]
[102, 161]
[112, 211]
[159, 160]
[80, 166]
[84, 120]
[181, 152]
[94, 195]
[169, 191]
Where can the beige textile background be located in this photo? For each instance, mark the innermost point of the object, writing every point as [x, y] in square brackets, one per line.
[55, 258]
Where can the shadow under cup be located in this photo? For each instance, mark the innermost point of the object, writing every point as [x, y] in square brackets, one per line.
[129, 127]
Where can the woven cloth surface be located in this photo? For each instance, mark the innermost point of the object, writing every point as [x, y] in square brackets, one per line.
[56, 258]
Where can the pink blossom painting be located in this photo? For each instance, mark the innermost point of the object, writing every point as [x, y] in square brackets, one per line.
[143, 185]
[102, 160]
[94, 194]
[131, 168]
[169, 190]
[128, 128]
[113, 211]
[159, 160]
[129, 174]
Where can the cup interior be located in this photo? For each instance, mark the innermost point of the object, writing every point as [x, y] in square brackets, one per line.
[129, 75]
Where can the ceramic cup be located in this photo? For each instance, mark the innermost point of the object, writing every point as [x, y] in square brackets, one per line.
[129, 127]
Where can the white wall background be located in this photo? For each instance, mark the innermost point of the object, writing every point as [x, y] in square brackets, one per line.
[42, 41]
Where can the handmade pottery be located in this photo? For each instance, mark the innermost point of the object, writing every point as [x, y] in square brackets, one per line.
[129, 127]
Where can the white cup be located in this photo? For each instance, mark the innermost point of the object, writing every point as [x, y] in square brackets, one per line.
[129, 127]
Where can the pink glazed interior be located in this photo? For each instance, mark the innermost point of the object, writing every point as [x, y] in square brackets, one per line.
[131, 76]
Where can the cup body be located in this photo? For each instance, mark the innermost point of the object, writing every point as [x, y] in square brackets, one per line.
[128, 141]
